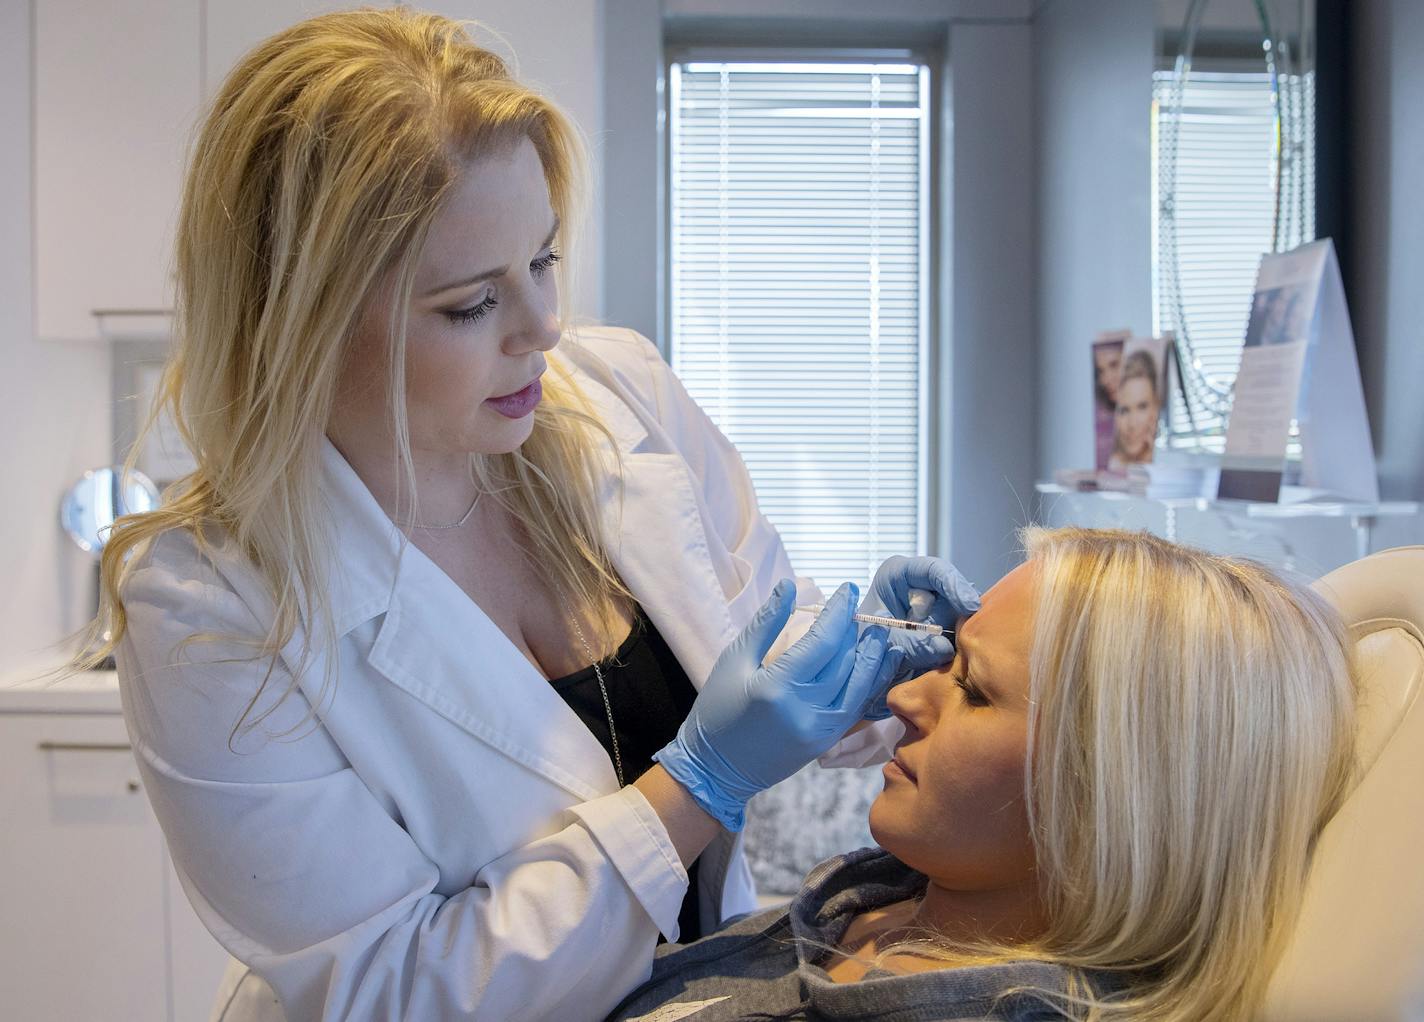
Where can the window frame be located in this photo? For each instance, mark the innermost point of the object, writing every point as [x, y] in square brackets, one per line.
[930, 63]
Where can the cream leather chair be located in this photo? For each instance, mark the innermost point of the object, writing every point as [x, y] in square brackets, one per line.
[1358, 952]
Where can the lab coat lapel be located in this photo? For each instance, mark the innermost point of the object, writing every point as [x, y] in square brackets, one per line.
[659, 547]
[437, 645]
[655, 536]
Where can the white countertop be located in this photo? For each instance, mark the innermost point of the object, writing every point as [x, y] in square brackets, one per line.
[24, 689]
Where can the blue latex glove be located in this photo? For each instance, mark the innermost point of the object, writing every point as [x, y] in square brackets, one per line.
[753, 726]
[918, 589]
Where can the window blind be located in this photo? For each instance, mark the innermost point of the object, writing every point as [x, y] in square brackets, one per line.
[797, 301]
[1224, 207]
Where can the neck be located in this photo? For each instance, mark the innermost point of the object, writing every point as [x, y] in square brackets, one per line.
[1004, 915]
[442, 480]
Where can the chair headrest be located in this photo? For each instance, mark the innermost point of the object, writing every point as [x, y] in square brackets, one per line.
[1358, 950]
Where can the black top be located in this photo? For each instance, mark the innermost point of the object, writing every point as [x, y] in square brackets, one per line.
[650, 695]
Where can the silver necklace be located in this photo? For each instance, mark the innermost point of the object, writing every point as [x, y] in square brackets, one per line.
[453, 525]
[607, 706]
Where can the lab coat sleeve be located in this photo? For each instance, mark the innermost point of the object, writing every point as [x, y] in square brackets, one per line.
[731, 499]
[301, 872]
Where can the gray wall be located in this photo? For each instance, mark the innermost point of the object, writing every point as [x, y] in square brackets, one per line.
[1093, 59]
[989, 283]
[1384, 261]
[1044, 140]
[982, 429]
[1093, 90]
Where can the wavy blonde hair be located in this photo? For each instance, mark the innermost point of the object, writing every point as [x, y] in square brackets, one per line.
[313, 183]
[1191, 732]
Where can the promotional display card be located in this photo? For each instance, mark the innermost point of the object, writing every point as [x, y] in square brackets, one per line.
[1107, 367]
[1141, 397]
[1298, 362]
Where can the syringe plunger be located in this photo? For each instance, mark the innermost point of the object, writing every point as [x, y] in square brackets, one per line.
[928, 627]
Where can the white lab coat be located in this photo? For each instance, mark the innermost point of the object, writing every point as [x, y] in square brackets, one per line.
[446, 839]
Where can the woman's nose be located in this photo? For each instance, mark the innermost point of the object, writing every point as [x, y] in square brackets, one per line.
[907, 701]
[537, 329]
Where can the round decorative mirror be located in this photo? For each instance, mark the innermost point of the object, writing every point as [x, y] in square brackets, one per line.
[98, 499]
[1234, 143]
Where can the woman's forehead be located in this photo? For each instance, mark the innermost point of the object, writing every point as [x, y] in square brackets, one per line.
[1001, 632]
[497, 210]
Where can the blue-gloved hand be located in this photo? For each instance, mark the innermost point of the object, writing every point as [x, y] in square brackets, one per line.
[753, 726]
[918, 589]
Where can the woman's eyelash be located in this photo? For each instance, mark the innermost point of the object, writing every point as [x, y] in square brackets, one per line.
[971, 694]
[539, 266]
[543, 264]
[474, 312]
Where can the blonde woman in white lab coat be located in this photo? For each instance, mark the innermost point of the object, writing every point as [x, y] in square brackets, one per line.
[397, 658]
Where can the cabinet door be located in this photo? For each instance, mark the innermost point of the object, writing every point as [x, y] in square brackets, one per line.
[196, 961]
[116, 94]
[81, 874]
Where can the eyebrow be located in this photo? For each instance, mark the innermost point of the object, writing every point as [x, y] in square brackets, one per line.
[967, 648]
[487, 274]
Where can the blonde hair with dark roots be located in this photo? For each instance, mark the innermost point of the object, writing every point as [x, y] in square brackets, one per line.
[1191, 732]
[313, 183]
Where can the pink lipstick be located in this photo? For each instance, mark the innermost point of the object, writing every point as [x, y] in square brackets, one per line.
[520, 403]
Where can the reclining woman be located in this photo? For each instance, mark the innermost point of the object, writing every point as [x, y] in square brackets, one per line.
[1104, 808]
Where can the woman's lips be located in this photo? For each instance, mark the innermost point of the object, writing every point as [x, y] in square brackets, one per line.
[896, 767]
[520, 403]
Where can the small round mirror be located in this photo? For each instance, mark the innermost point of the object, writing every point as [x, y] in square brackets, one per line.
[98, 499]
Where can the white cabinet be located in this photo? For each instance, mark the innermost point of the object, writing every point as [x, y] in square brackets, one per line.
[96, 926]
[117, 89]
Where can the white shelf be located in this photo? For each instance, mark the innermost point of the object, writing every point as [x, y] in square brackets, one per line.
[1250, 508]
[1362, 517]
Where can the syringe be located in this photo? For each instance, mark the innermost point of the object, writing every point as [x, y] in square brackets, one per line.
[928, 627]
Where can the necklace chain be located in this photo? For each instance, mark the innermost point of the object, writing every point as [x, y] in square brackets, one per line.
[453, 525]
[607, 705]
[578, 631]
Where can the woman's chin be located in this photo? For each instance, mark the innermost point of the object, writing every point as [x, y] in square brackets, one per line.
[494, 434]
[882, 823]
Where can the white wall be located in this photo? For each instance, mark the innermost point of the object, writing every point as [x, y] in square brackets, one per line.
[554, 44]
[56, 398]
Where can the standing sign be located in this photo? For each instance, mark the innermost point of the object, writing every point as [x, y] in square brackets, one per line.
[1299, 362]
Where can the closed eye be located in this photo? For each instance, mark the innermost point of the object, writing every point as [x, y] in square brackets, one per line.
[474, 312]
[972, 695]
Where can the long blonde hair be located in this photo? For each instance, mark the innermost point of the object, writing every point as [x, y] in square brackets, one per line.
[1191, 733]
[314, 180]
